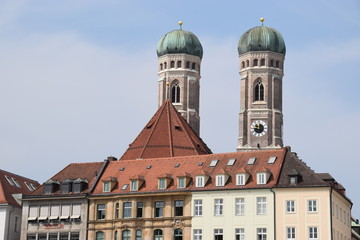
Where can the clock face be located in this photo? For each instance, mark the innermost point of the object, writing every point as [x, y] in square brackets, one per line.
[258, 128]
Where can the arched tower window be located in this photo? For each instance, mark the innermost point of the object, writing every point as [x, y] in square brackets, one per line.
[165, 65]
[178, 234]
[172, 64]
[259, 92]
[193, 66]
[175, 92]
[178, 64]
[161, 66]
[247, 63]
[255, 62]
[242, 64]
[158, 234]
[271, 63]
[278, 64]
[187, 64]
[262, 62]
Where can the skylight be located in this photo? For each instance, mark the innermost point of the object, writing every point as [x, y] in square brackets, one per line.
[124, 186]
[200, 163]
[177, 165]
[122, 169]
[213, 163]
[251, 161]
[148, 167]
[272, 160]
[231, 162]
[9, 180]
[16, 182]
[28, 186]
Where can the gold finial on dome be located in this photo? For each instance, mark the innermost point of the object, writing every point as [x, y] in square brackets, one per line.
[180, 23]
[262, 21]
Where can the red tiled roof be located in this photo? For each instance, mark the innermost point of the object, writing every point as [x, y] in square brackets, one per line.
[177, 166]
[7, 189]
[88, 171]
[167, 134]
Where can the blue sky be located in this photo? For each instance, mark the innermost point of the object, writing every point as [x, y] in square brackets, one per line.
[79, 81]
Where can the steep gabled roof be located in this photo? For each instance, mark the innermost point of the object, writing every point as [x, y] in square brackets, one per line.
[167, 134]
[11, 183]
[87, 171]
[191, 166]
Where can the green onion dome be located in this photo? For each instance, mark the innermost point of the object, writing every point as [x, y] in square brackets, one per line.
[179, 41]
[261, 38]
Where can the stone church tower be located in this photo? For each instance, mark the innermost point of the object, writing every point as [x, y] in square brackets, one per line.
[262, 53]
[179, 58]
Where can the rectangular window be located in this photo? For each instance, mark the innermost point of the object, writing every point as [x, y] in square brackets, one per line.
[74, 236]
[106, 186]
[64, 236]
[290, 233]
[139, 209]
[127, 210]
[53, 236]
[179, 205]
[313, 233]
[218, 207]
[181, 182]
[239, 206]
[134, 185]
[197, 234]
[261, 234]
[290, 206]
[218, 234]
[54, 212]
[44, 211]
[16, 225]
[220, 180]
[261, 205]
[33, 213]
[76, 208]
[117, 208]
[31, 237]
[240, 234]
[100, 212]
[261, 178]
[199, 181]
[162, 183]
[159, 209]
[312, 206]
[240, 179]
[65, 211]
[198, 207]
[42, 236]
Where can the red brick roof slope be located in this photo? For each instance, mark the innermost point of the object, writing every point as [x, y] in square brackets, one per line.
[167, 134]
[149, 170]
[11, 183]
[88, 171]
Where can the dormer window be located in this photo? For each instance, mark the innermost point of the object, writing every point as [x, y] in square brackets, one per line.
[162, 183]
[294, 177]
[107, 186]
[220, 180]
[241, 178]
[200, 181]
[51, 186]
[66, 186]
[262, 177]
[109, 183]
[293, 180]
[134, 185]
[181, 182]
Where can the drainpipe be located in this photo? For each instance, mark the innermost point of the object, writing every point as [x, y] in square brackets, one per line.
[271, 189]
[8, 226]
[331, 214]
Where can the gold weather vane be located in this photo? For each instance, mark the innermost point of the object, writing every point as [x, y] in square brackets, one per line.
[180, 23]
[262, 21]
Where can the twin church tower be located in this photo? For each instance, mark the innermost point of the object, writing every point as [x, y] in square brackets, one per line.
[261, 54]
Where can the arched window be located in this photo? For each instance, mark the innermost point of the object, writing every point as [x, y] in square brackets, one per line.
[278, 64]
[247, 63]
[187, 64]
[193, 66]
[259, 92]
[138, 235]
[271, 63]
[158, 234]
[242, 64]
[255, 62]
[175, 93]
[126, 235]
[100, 236]
[116, 235]
[262, 62]
[161, 66]
[117, 211]
[178, 234]
[172, 64]
[165, 65]
[178, 64]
